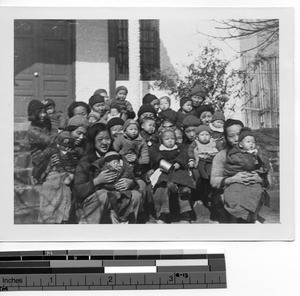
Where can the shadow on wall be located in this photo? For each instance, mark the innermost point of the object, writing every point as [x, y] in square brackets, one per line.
[166, 67]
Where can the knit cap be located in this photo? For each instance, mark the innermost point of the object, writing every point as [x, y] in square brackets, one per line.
[244, 132]
[148, 98]
[121, 87]
[169, 115]
[128, 122]
[48, 102]
[100, 91]
[94, 99]
[198, 90]
[114, 121]
[116, 106]
[112, 155]
[218, 116]
[147, 108]
[64, 139]
[205, 108]
[96, 115]
[34, 105]
[190, 120]
[184, 100]
[78, 120]
[202, 128]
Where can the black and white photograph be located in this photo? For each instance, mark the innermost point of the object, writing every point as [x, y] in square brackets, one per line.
[160, 119]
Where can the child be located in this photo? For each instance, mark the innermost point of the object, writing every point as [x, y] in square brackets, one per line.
[148, 131]
[152, 100]
[202, 151]
[120, 100]
[119, 200]
[115, 127]
[164, 103]
[93, 117]
[146, 110]
[132, 146]
[167, 118]
[217, 129]
[177, 179]
[55, 202]
[245, 157]
[58, 119]
[186, 108]
[179, 136]
[97, 104]
[115, 111]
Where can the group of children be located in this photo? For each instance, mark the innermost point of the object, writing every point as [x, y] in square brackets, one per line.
[152, 148]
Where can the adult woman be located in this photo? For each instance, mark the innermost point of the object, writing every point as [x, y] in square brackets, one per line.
[218, 179]
[39, 138]
[92, 199]
[79, 108]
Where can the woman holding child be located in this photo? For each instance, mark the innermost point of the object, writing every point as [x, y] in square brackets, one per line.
[93, 200]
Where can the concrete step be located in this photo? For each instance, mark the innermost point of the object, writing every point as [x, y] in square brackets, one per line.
[23, 176]
[22, 159]
[26, 204]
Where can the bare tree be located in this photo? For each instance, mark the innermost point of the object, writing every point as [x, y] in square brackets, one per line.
[267, 31]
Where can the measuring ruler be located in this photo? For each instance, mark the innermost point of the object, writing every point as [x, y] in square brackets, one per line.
[111, 270]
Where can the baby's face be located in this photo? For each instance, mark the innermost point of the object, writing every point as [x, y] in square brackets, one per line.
[188, 106]
[149, 126]
[164, 104]
[50, 110]
[248, 143]
[132, 131]
[218, 123]
[115, 164]
[168, 139]
[121, 95]
[113, 112]
[179, 137]
[206, 117]
[116, 130]
[204, 137]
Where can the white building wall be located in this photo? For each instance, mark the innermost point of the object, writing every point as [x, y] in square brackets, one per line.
[91, 67]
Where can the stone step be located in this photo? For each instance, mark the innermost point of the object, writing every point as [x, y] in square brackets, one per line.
[23, 176]
[26, 204]
[22, 159]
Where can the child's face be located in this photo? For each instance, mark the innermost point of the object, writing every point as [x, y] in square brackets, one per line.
[197, 100]
[168, 139]
[92, 120]
[121, 95]
[50, 110]
[187, 106]
[115, 164]
[132, 131]
[99, 108]
[248, 143]
[204, 137]
[206, 117]
[164, 104]
[218, 123]
[149, 126]
[155, 104]
[179, 137]
[116, 130]
[80, 110]
[113, 112]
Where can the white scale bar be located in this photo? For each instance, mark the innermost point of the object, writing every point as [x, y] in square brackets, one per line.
[182, 262]
[130, 269]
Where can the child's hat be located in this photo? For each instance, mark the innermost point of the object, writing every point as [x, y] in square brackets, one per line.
[34, 105]
[198, 90]
[218, 116]
[148, 98]
[112, 155]
[244, 132]
[114, 121]
[202, 128]
[184, 100]
[96, 115]
[94, 99]
[169, 115]
[79, 120]
[147, 108]
[122, 87]
[64, 139]
[205, 108]
[48, 102]
[190, 120]
[128, 122]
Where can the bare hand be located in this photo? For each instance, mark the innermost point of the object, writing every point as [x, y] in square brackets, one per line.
[131, 157]
[105, 177]
[123, 184]
[191, 164]
[176, 166]
[246, 178]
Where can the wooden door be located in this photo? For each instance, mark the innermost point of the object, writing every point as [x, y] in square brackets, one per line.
[44, 63]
